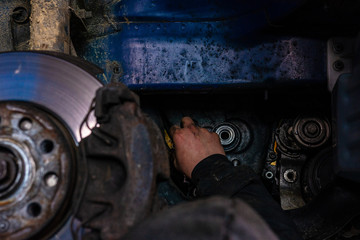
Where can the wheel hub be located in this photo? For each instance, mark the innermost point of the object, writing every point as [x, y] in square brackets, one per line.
[36, 167]
[43, 100]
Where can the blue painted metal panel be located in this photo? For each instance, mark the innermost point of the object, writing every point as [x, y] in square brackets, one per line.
[159, 48]
[199, 10]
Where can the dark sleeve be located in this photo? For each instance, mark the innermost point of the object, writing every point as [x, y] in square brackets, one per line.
[215, 175]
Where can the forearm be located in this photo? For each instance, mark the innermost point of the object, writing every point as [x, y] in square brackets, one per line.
[215, 175]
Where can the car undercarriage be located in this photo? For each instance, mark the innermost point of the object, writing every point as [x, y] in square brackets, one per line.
[89, 90]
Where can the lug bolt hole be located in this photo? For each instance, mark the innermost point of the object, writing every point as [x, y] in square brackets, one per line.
[34, 209]
[46, 146]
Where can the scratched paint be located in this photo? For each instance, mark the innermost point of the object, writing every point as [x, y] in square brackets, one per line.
[160, 48]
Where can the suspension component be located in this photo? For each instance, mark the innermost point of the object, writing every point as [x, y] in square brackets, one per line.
[229, 135]
[234, 136]
[311, 132]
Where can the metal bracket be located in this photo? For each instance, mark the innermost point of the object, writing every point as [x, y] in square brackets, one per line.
[290, 184]
[340, 52]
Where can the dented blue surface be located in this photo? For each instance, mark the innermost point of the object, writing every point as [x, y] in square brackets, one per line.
[162, 45]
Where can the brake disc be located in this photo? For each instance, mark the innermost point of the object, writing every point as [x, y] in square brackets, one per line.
[51, 82]
[43, 100]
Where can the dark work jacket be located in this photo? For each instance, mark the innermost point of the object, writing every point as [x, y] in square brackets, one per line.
[215, 175]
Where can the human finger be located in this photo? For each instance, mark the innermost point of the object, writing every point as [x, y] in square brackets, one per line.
[173, 129]
[187, 122]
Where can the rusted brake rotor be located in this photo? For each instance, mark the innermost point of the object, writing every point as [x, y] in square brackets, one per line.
[43, 100]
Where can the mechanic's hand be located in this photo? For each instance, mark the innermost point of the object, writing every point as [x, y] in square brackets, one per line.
[193, 144]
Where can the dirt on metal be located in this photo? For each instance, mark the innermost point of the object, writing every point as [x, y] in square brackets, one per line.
[50, 27]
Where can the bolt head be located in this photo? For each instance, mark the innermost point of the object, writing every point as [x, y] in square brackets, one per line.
[338, 66]
[20, 15]
[4, 225]
[272, 155]
[51, 179]
[338, 47]
[25, 124]
[235, 162]
[312, 129]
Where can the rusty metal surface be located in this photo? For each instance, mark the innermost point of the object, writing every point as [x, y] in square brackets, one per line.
[126, 157]
[37, 161]
[50, 25]
[14, 25]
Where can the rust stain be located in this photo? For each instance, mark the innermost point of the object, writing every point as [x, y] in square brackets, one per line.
[127, 20]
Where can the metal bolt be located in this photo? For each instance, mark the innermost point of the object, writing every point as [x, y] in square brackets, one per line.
[20, 15]
[3, 169]
[51, 179]
[25, 124]
[235, 162]
[269, 175]
[272, 155]
[4, 225]
[311, 129]
[338, 47]
[338, 65]
[116, 70]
